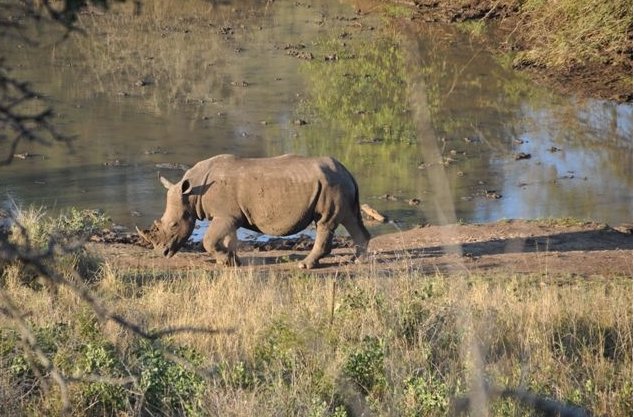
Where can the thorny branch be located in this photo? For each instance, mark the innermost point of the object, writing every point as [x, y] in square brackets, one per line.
[24, 115]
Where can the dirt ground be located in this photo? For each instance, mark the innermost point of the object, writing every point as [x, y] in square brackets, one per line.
[509, 247]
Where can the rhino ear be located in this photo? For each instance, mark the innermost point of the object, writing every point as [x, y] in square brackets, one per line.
[186, 187]
[165, 182]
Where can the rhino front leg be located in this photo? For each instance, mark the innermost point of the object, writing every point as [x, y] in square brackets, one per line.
[220, 241]
[322, 247]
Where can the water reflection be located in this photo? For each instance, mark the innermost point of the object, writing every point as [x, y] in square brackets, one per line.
[577, 158]
[205, 79]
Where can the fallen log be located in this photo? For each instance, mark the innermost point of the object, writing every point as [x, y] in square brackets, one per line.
[373, 214]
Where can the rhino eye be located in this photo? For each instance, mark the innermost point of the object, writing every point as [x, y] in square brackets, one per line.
[173, 225]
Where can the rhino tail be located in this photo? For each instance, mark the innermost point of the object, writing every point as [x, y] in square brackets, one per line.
[357, 208]
[357, 203]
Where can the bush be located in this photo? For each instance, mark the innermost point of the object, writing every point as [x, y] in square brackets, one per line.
[365, 367]
[424, 396]
[167, 387]
[32, 233]
[33, 228]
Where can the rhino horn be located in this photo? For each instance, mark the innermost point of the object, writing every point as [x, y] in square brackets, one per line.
[166, 183]
[143, 235]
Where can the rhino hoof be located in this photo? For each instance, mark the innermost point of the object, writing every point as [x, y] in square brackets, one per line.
[229, 261]
[307, 265]
[359, 259]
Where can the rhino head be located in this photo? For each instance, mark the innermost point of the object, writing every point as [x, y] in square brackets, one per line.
[173, 229]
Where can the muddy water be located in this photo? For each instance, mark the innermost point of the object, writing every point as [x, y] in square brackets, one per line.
[431, 125]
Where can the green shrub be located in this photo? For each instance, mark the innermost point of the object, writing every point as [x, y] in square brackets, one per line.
[278, 348]
[36, 229]
[103, 398]
[237, 375]
[365, 366]
[26, 369]
[167, 387]
[424, 396]
[33, 232]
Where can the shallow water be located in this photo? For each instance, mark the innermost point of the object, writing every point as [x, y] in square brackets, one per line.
[437, 119]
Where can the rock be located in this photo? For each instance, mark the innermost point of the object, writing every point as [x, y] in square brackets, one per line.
[522, 155]
[155, 151]
[239, 84]
[388, 197]
[172, 165]
[144, 82]
[626, 229]
[115, 163]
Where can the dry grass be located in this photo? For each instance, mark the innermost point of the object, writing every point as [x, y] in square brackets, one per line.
[566, 34]
[393, 345]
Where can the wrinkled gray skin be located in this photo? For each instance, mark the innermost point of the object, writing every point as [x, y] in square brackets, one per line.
[277, 196]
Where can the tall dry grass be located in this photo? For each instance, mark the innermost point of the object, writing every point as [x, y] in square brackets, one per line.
[403, 344]
[569, 33]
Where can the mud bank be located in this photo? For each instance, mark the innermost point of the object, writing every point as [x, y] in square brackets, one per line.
[515, 247]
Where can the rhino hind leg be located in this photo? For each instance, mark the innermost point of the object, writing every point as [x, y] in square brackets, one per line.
[360, 235]
[321, 248]
[221, 240]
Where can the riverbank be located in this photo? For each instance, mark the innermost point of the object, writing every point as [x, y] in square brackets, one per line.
[548, 247]
[580, 48]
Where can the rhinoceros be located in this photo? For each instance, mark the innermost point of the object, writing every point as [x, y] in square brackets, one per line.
[277, 196]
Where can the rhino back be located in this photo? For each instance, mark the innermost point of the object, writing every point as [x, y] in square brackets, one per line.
[277, 196]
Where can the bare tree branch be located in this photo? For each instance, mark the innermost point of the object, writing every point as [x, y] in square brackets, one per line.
[17, 121]
[17, 18]
[26, 116]
[43, 262]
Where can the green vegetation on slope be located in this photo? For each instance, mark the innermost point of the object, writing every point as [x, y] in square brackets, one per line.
[584, 46]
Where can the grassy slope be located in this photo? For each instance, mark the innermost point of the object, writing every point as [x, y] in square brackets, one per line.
[583, 46]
